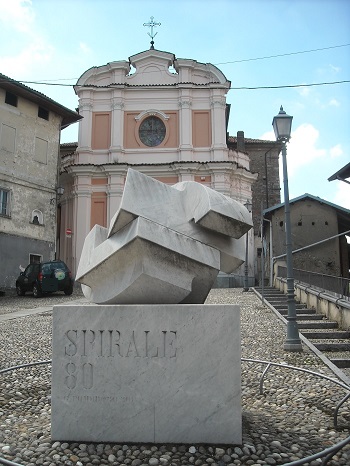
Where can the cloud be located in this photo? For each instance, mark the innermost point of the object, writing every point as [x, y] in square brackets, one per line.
[29, 49]
[28, 59]
[336, 69]
[17, 13]
[83, 47]
[304, 91]
[334, 103]
[336, 151]
[302, 148]
[342, 194]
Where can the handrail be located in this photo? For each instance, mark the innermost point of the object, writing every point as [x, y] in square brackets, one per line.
[337, 285]
[327, 454]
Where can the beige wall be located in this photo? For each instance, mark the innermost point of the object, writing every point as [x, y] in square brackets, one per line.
[311, 222]
[131, 130]
[201, 128]
[101, 130]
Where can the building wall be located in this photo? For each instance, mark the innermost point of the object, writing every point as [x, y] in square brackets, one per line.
[190, 102]
[29, 148]
[311, 222]
[15, 253]
[262, 158]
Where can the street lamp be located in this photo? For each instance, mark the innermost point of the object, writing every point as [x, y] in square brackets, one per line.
[248, 206]
[282, 126]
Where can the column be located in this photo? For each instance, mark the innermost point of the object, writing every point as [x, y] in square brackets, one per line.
[82, 215]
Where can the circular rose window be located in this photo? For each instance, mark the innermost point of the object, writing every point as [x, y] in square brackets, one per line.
[152, 131]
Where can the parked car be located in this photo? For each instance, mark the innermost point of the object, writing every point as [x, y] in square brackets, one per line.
[45, 277]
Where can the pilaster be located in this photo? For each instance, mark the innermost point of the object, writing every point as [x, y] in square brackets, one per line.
[218, 124]
[115, 189]
[85, 124]
[117, 128]
[185, 126]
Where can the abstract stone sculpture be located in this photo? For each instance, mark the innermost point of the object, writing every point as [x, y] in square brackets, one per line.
[165, 245]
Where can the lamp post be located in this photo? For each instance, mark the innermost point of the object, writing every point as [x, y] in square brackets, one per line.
[248, 206]
[282, 125]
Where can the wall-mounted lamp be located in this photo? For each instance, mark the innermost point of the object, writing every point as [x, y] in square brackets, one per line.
[59, 194]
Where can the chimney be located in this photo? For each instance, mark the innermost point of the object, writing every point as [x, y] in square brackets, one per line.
[240, 141]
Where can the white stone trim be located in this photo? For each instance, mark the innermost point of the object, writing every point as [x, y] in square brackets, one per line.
[152, 112]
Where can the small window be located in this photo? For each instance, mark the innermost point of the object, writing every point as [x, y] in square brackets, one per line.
[4, 202]
[300, 223]
[281, 223]
[11, 99]
[43, 113]
[35, 258]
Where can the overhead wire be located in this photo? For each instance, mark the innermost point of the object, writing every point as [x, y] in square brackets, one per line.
[109, 86]
[282, 54]
[49, 83]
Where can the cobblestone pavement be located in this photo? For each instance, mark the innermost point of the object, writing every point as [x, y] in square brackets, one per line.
[10, 302]
[291, 420]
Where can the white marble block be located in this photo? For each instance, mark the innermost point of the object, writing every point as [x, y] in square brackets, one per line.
[146, 373]
[165, 244]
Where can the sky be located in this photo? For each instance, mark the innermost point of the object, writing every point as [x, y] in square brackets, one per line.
[277, 48]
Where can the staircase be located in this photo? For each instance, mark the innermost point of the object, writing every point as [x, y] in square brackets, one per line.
[322, 333]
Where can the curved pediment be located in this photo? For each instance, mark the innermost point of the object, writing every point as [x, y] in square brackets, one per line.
[154, 68]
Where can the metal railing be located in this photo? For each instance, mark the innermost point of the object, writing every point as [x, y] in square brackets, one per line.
[326, 454]
[338, 285]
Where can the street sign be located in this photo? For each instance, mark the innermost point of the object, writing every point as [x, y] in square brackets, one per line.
[68, 233]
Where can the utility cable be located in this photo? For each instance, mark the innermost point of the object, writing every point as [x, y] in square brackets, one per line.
[281, 55]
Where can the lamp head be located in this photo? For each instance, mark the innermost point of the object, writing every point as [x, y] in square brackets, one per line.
[282, 125]
[59, 191]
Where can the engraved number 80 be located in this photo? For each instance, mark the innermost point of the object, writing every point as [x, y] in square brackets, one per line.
[87, 375]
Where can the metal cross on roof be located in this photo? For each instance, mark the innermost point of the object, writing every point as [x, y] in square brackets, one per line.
[151, 24]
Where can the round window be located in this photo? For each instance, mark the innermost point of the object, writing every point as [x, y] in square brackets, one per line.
[152, 131]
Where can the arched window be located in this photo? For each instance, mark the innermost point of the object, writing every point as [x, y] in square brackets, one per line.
[37, 217]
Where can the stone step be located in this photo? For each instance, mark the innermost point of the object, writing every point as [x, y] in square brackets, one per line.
[337, 335]
[284, 305]
[315, 317]
[274, 295]
[270, 292]
[284, 312]
[332, 347]
[342, 363]
[318, 324]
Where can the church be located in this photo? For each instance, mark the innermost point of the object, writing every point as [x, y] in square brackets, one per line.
[167, 118]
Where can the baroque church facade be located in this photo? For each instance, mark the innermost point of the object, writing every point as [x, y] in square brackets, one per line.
[167, 118]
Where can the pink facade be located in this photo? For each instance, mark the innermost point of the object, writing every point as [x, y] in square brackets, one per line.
[163, 116]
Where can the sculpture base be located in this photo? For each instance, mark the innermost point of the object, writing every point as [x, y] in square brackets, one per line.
[147, 373]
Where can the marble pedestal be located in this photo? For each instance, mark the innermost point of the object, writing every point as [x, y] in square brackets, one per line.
[147, 373]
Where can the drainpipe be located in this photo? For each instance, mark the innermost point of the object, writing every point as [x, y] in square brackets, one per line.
[57, 206]
[270, 243]
[266, 178]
